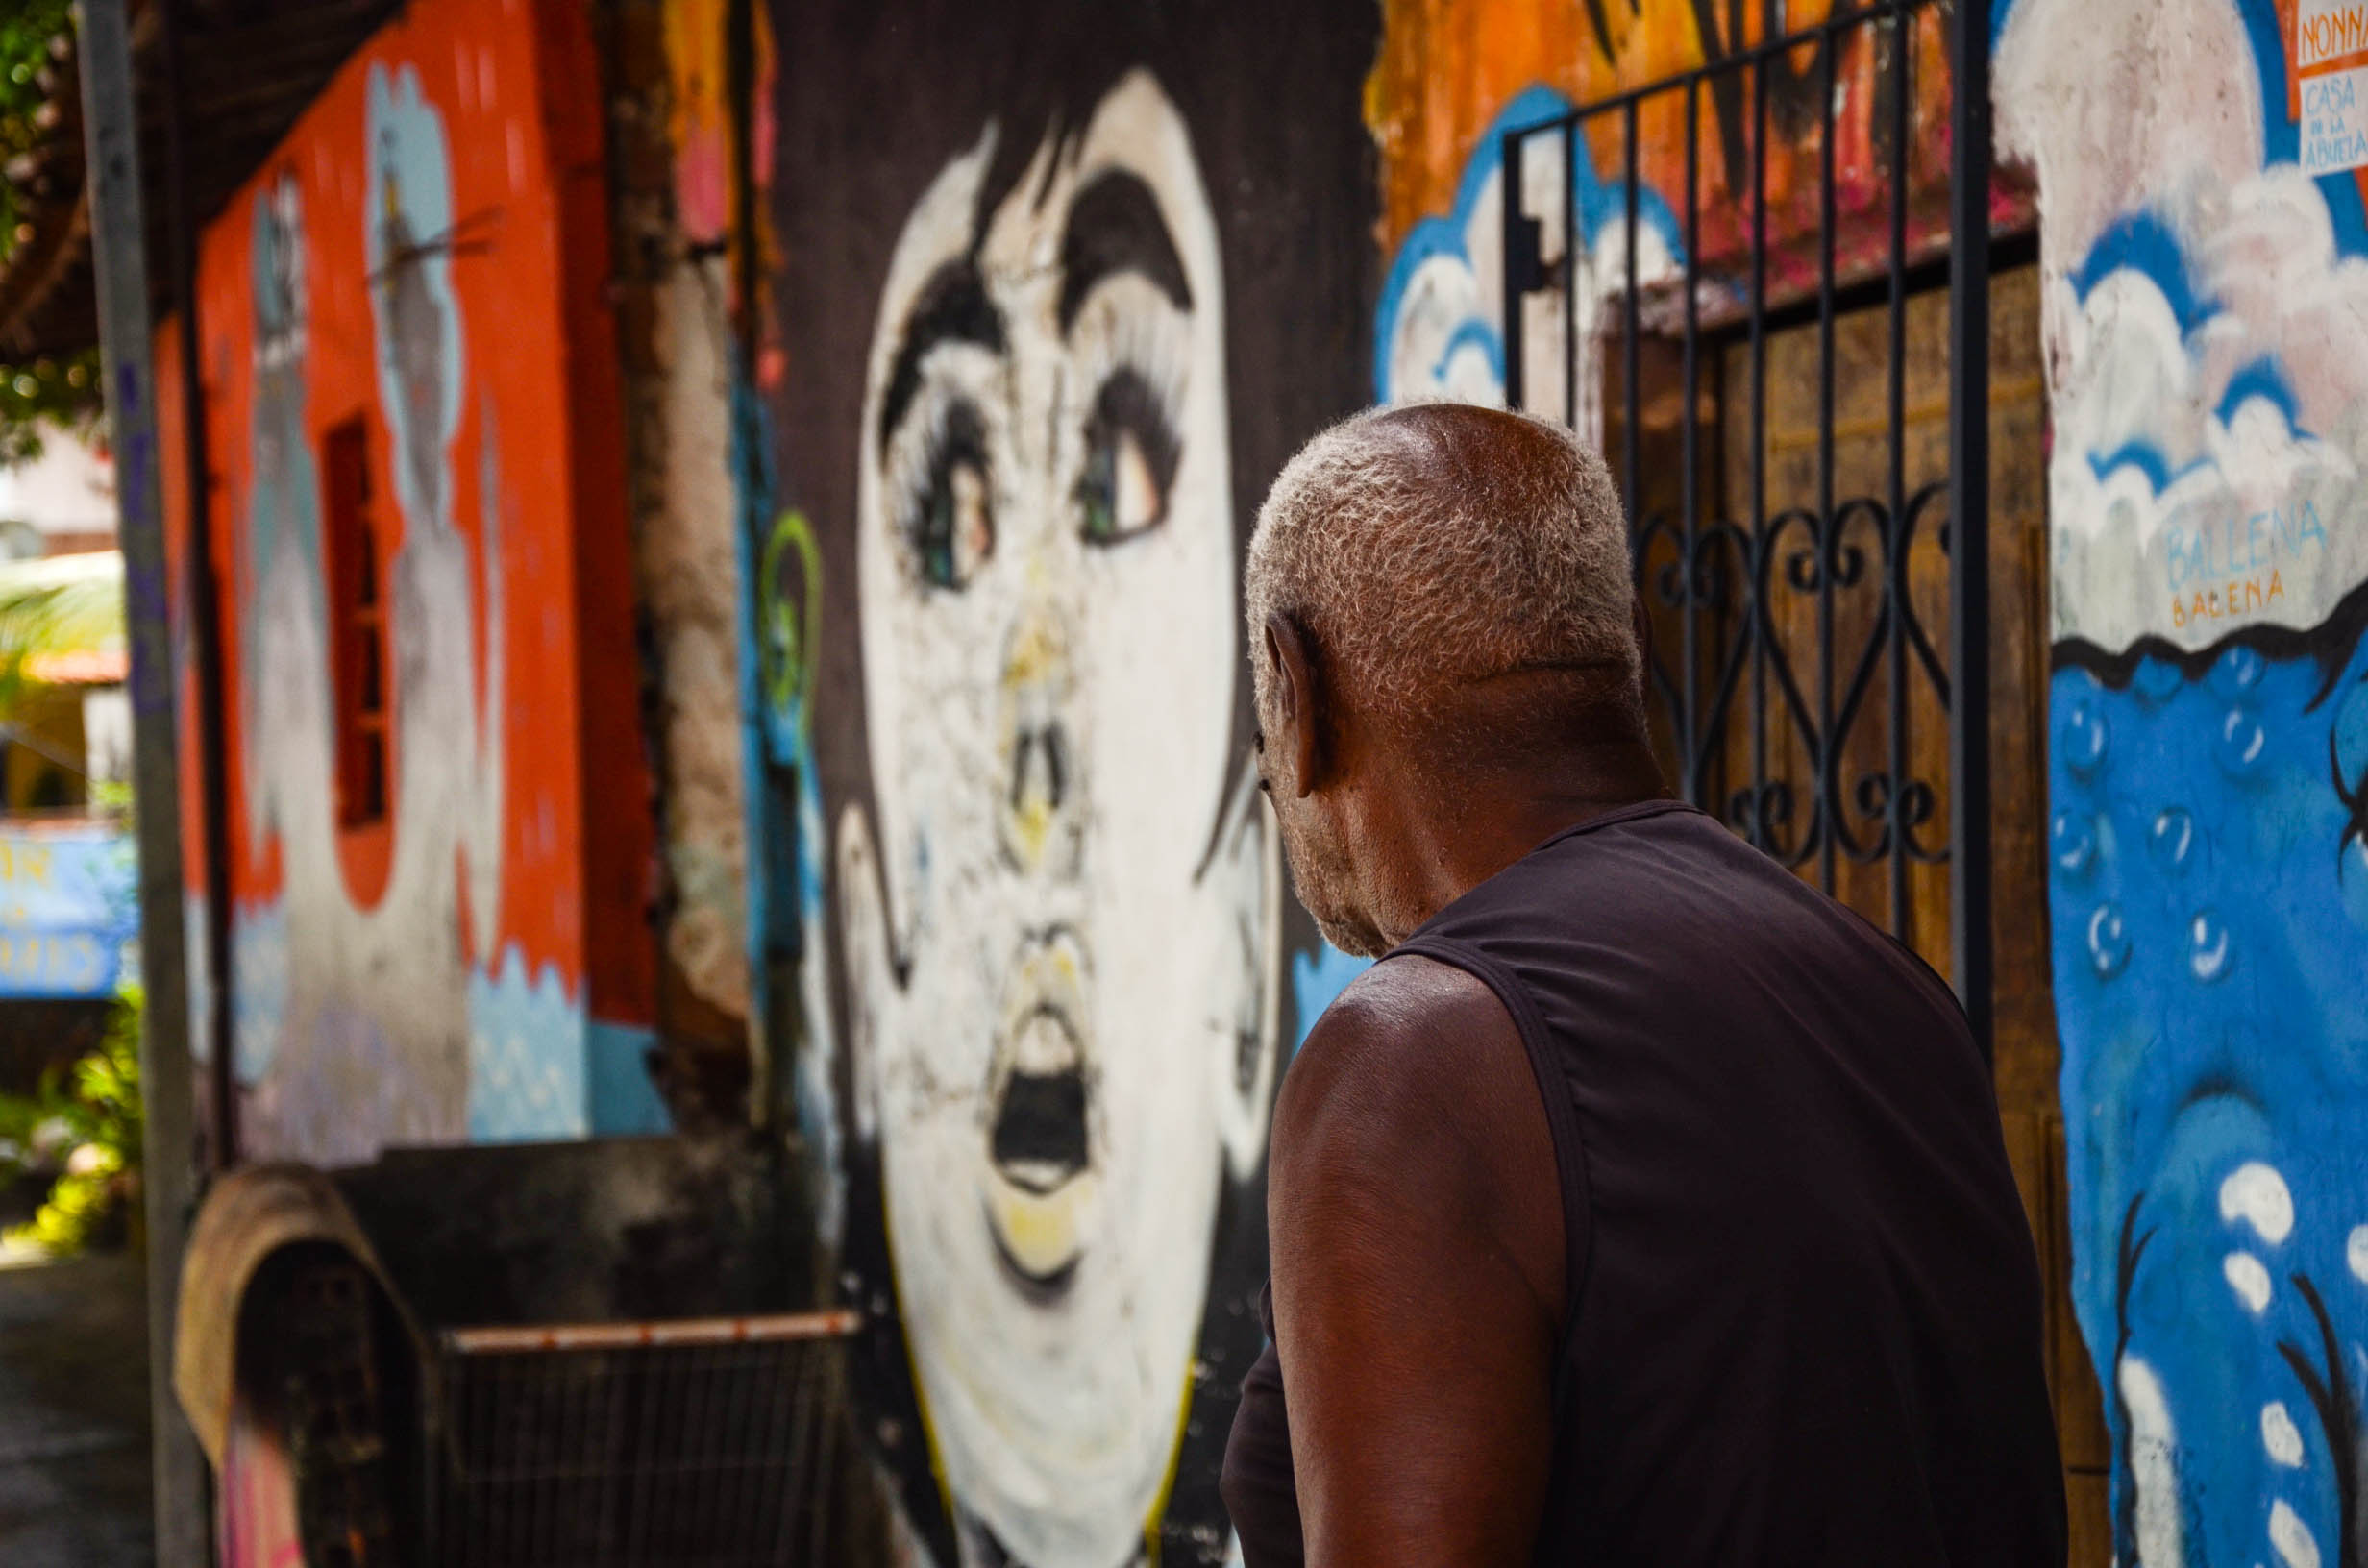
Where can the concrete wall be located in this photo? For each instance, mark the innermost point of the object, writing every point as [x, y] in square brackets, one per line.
[670, 133]
[2205, 317]
[427, 253]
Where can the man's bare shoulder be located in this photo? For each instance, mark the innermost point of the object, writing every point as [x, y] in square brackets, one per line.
[1414, 1090]
[1412, 1144]
[1393, 1031]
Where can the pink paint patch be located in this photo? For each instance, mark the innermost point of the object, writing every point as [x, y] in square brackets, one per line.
[258, 1506]
[703, 188]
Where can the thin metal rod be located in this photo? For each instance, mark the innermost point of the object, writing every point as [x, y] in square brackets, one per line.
[504, 1340]
[1516, 389]
[1969, 792]
[1758, 627]
[1895, 545]
[1572, 241]
[110, 121]
[1828, 749]
[1632, 396]
[1688, 738]
[1738, 59]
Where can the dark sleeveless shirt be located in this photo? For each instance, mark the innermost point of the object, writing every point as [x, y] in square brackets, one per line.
[1804, 1320]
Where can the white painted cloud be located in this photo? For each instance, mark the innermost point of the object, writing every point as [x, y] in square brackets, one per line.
[2210, 437]
[2208, 479]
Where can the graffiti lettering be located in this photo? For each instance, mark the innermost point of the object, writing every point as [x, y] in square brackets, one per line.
[2232, 547]
[2220, 602]
[2323, 32]
[2330, 94]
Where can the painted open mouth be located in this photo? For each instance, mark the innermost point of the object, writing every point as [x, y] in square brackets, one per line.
[1037, 1142]
[1042, 1188]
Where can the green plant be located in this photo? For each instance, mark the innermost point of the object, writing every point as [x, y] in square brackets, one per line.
[54, 390]
[45, 394]
[82, 1132]
[60, 605]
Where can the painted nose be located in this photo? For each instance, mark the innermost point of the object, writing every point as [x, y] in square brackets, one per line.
[1040, 782]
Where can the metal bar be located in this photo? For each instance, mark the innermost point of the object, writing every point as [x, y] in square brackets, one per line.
[1631, 394]
[504, 1340]
[1690, 609]
[1969, 792]
[1571, 271]
[1756, 625]
[1515, 283]
[204, 591]
[1738, 59]
[1895, 543]
[824, 1469]
[111, 124]
[1828, 748]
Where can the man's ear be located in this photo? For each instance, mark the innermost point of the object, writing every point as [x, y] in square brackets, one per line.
[1299, 694]
[1247, 869]
[867, 966]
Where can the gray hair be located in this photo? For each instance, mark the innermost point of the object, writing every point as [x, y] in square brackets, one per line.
[1426, 546]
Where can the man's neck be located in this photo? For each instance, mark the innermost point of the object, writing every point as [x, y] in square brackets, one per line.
[1456, 834]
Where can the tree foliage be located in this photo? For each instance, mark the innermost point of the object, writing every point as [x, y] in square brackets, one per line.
[78, 1134]
[35, 63]
[63, 605]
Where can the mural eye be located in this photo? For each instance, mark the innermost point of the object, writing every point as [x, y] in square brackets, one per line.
[1131, 450]
[951, 522]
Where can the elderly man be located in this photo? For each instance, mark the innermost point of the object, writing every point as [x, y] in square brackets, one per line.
[1645, 1206]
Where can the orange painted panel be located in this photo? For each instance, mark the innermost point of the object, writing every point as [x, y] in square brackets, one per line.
[1448, 67]
[424, 254]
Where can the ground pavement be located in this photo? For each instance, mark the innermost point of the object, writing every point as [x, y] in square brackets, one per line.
[74, 1414]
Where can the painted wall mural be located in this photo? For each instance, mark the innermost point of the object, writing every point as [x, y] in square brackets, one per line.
[1043, 349]
[2207, 368]
[1453, 77]
[408, 527]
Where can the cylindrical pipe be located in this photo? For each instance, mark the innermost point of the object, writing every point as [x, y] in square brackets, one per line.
[509, 1340]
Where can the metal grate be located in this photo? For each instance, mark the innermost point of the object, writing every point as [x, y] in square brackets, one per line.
[336, 1416]
[709, 1444]
[1820, 674]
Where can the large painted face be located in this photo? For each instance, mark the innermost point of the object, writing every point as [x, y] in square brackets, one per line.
[1063, 1011]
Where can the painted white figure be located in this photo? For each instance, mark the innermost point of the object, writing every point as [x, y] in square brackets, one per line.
[1060, 937]
[356, 1021]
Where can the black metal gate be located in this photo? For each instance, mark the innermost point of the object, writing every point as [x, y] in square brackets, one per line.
[1793, 655]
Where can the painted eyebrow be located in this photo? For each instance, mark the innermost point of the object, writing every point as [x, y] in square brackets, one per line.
[952, 307]
[1115, 225]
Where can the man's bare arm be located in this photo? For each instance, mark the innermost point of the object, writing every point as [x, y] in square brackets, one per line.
[1417, 1227]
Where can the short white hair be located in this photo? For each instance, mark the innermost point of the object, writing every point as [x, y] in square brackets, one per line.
[1421, 546]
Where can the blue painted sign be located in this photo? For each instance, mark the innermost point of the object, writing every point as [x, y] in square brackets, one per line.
[68, 910]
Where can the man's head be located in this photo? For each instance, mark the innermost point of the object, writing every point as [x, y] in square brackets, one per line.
[1438, 601]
